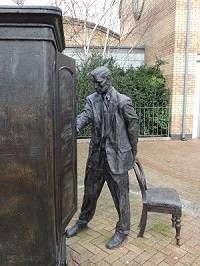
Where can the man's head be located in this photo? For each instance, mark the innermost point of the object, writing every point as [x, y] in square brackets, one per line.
[101, 76]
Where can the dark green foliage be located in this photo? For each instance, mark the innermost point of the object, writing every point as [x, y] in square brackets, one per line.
[145, 85]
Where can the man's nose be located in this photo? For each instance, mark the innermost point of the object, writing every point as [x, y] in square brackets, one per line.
[97, 84]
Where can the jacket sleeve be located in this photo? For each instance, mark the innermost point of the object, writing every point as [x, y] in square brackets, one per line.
[85, 117]
[132, 124]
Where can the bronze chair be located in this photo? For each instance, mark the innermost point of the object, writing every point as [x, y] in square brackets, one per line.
[162, 200]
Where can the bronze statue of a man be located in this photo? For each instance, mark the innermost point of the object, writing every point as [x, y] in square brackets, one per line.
[112, 151]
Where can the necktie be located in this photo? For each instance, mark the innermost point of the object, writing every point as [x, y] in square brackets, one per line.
[105, 122]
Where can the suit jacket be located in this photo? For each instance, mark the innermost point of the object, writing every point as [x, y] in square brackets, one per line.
[122, 131]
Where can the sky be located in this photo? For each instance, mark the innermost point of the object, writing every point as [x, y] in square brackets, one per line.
[95, 13]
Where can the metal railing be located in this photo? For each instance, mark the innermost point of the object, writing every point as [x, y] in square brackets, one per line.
[153, 122]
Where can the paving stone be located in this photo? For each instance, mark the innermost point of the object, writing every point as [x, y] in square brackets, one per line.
[188, 259]
[88, 263]
[74, 257]
[113, 257]
[78, 248]
[163, 264]
[98, 240]
[148, 235]
[105, 233]
[194, 251]
[171, 260]
[149, 263]
[179, 264]
[84, 241]
[150, 249]
[152, 241]
[92, 248]
[164, 242]
[196, 262]
[132, 236]
[110, 227]
[88, 248]
[85, 256]
[134, 248]
[157, 258]
[198, 247]
[177, 251]
[134, 263]
[143, 257]
[118, 263]
[103, 248]
[193, 242]
[165, 250]
[99, 226]
[102, 263]
[93, 233]
[70, 241]
[128, 257]
[99, 257]
[123, 249]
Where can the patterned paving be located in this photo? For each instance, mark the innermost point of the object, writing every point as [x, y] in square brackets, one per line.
[166, 163]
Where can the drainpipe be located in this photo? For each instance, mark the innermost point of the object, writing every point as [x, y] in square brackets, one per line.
[187, 47]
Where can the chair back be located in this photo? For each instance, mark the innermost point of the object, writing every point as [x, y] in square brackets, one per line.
[139, 172]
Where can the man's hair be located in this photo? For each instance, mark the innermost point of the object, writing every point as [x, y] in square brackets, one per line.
[103, 71]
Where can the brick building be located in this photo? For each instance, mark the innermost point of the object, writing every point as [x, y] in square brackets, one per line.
[81, 35]
[161, 26]
[80, 32]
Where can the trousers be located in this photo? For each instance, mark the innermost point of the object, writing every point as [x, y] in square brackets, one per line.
[119, 189]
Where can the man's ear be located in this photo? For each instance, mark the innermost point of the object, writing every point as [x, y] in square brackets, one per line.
[109, 79]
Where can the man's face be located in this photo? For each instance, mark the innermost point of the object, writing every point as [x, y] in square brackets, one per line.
[101, 84]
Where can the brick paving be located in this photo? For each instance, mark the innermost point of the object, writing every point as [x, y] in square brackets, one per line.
[166, 163]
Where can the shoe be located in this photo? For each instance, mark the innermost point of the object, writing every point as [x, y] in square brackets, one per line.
[75, 229]
[116, 240]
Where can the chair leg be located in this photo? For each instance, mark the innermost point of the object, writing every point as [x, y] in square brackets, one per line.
[143, 222]
[178, 229]
[139, 225]
[173, 220]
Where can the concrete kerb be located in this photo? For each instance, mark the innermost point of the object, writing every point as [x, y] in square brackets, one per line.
[87, 140]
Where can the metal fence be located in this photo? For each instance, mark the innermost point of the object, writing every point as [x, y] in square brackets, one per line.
[153, 122]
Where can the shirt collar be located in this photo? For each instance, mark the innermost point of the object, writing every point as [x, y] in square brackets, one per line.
[107, 96]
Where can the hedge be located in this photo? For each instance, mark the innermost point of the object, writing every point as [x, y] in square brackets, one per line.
[145, 85]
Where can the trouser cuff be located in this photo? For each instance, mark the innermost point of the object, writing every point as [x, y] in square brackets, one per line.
[82, 222]
[123, 232]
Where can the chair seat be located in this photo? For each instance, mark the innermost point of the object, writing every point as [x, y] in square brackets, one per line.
[163, 198]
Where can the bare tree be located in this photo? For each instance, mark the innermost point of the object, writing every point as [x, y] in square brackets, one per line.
[86, 19]
[89, 18]
[136, 20]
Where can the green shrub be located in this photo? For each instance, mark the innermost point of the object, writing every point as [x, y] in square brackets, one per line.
[145, 85]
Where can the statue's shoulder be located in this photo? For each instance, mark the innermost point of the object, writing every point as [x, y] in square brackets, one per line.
[92, 97]
[122, 98]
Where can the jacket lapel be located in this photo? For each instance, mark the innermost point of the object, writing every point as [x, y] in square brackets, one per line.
[112, 105]
[112, 108]
[97, 110]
